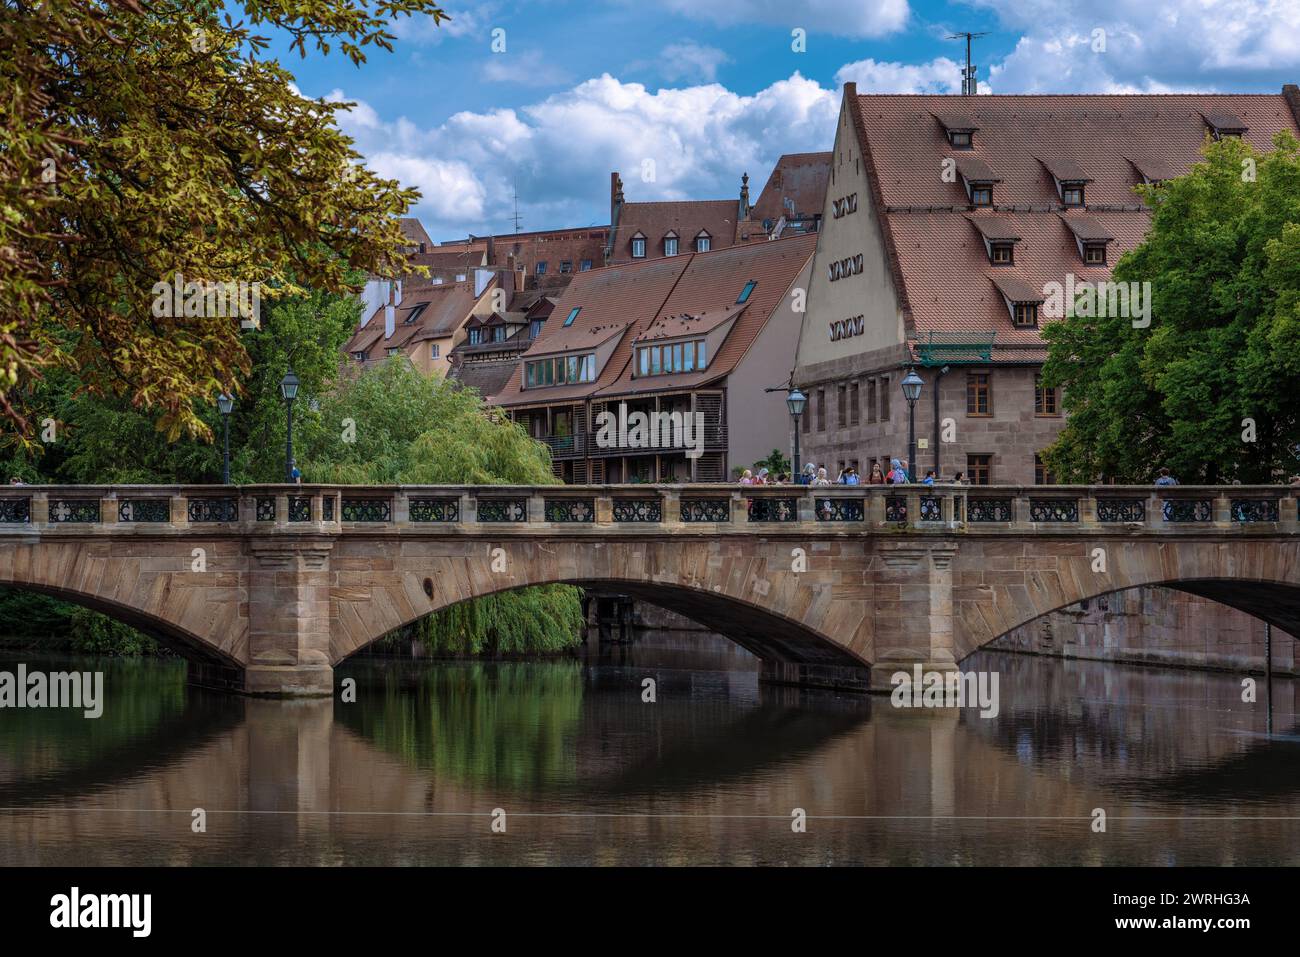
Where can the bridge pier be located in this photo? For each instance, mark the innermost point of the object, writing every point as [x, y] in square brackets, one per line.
[289, 618]
[912, 610]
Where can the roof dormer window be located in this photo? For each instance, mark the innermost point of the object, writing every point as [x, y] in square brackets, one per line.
[1002, 254]
[1224, 123]
[1091, 238]
[960, 139]
[981, 195]
[702, 242]
[638, 246]
[1094, 254]
[1025, 315]
[1072, 194]
[670, 244]
[959, 127]
[1022, 299]
[1000, 235]
[978, 178]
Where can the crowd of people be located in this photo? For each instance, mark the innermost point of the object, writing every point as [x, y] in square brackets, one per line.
[813, 474]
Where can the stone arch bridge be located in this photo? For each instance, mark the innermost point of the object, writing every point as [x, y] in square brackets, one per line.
[269, 587]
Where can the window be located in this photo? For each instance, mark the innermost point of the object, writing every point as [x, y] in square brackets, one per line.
[842, 406]
[391, 351]
[1042, 476]
[871, 400]
[981, 195]
[960, 139]
[541, 267]
[498, 333]
[560, 370]
[535, 328]
[702, 243]
[821, 410]
[1025, 314]
[979, 398]
[806, 423]
[584, 266]
[1044, 398]
[1094, 254]
[853, 404]
[884, 398]
[745, 293]
[670, 358]
[670, 246]
[359, 356]
[433, 350]
[979, 469]
[1072, 194]
[415, 313]
[475, 336]
[1002, 254]
[573, 314]
[638, 247]
[566, 266]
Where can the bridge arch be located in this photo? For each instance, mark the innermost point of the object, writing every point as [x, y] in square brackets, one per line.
[151, 587]
[1000, 586]
[797, 623]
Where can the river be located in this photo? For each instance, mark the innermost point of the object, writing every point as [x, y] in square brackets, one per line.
[572, 766]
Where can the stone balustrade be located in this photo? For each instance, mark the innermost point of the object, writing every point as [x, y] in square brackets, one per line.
[700, 509]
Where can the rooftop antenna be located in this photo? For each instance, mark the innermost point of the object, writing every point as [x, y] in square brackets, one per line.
[968, 85]
[516, 192]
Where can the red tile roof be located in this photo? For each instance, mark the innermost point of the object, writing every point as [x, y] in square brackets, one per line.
[440, 309]
[800, 178]
[630, 299]
[939, 264]
[686, 218]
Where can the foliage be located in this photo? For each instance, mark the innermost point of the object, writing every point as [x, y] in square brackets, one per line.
[96, 634]
[414, 430]
[142, 142]
[776, 464]
[1223, 346]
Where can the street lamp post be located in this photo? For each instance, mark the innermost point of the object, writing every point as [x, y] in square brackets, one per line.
[225, 405]
[289, 389]
[795, 402]
[911, 392]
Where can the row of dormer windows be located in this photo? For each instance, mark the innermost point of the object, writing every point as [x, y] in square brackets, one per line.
[703, 242]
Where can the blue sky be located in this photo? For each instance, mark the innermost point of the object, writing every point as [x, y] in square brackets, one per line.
[707, 89]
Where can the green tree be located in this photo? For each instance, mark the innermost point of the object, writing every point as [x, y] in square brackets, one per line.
[143, 140]
[1207, 389]
[411, 429]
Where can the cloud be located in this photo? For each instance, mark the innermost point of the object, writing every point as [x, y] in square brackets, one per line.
[846, 18]
[560, 151]
[522, 69]
[940, 75]
[1116, 46]
[690, 61]
[421, 30]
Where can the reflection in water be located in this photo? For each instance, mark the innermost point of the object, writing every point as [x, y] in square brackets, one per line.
[588, 772]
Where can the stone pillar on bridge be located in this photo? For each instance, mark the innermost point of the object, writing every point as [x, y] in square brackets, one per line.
[912, 609]
[289, 617]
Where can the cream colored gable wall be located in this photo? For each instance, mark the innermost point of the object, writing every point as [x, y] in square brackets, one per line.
[870, 293]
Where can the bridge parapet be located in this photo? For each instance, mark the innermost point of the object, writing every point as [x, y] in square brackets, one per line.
[699, 509]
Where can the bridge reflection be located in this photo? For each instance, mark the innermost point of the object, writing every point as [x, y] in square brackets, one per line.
[586, 771]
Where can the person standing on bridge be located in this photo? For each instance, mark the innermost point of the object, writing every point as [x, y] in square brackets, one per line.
[1165, 478]
[876, 477]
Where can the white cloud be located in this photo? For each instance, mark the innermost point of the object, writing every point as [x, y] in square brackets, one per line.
[421, 29]
[691, 61]
[940, 75]
[521, 69]
[847, 18]
[560, 151]
[1158, 46]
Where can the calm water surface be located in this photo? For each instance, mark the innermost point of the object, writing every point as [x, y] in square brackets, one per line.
[588, 773]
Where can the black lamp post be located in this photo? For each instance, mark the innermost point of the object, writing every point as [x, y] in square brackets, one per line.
[289, 389]
[795, 402]
[225, 405]
[911, 392]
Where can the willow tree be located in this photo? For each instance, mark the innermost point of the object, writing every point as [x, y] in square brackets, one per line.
[392, 425]
[154, 141]
[1208, 388]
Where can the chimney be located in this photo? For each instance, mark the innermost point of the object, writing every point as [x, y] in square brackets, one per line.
[615, 209]
[390, 313]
